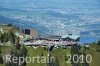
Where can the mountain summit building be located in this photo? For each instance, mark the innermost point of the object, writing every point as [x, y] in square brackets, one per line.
[54, 40]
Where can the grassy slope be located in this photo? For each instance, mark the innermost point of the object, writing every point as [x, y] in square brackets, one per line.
[34, 53]
[59, 53]
[95, 55]
[3, 50]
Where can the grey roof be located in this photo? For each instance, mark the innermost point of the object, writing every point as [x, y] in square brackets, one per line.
[71, 36]
[60, 37]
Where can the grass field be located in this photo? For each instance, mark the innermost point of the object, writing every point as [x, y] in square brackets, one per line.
[59, 53]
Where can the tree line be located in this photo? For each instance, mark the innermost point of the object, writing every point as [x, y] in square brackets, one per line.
[16, 49]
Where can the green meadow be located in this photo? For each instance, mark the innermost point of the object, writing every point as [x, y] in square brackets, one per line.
[59, 54]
